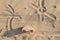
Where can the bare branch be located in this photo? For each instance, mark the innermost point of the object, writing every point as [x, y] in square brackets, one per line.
[11, 23]
[11, 8]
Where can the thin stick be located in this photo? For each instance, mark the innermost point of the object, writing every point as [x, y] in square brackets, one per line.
[11, 8]
[11, 23]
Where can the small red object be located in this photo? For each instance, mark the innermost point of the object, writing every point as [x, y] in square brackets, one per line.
[31, 30]
[24, 31]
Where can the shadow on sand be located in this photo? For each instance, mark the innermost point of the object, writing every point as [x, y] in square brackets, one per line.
[13, 32]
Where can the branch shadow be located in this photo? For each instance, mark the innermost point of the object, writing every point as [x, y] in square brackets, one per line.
[12, 33]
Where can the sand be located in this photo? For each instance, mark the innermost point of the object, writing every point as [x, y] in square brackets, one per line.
[20, 13]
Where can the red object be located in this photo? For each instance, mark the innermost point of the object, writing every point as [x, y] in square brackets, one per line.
[24, 31]
[31, 30]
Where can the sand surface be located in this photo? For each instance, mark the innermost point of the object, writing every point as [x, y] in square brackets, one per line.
[42, 15]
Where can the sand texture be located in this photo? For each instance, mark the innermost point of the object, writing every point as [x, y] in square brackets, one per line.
[42, 15]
